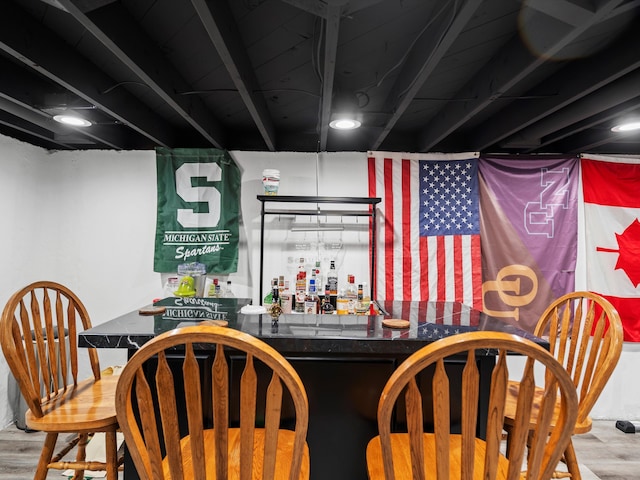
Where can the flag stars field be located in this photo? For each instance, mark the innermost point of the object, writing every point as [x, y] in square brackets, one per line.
[445, 197]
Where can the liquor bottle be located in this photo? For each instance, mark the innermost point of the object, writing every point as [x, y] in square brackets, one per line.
[326, 306]
[171, 286]
[301, 286]
[311, 301]
[317, 274]
[268, 299]
[212, 288]
[228, 292]
[332, 280]
[352, 294]
[364, 300]
[342, 304]
[275, 293]
[286, 298]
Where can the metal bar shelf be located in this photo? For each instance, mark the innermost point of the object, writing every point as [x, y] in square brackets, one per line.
[321, 213]
[371, 212]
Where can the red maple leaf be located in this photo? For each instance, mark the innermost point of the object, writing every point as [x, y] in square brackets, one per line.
[629, 250]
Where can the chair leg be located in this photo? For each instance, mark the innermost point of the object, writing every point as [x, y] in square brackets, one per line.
[572, 462]
[111, 455]
[45, 456]
[81, 454]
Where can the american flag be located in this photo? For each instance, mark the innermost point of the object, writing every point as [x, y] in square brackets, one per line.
[428, 235]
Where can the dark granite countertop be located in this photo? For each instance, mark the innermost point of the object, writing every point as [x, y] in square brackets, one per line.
[305, 334]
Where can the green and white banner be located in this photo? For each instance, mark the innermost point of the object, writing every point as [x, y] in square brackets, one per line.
[198, 209]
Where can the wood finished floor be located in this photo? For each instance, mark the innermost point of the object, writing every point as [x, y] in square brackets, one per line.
[605, 453]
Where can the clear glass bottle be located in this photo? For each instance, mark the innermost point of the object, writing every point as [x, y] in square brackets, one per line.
[171, 286]
[286, 298]
[342, 303]
[228, 292]
[317, 273]
[311, 301]
[364, 299]
[332, 279]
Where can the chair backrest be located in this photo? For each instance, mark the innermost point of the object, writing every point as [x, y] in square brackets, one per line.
[151, 430]
[463, 455]
[586, 337]
[31, 319]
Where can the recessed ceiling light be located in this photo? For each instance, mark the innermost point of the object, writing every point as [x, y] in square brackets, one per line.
[626, 127]
[345, 124]
[72, 120]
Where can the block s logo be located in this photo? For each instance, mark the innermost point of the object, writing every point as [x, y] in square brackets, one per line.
[212, 172]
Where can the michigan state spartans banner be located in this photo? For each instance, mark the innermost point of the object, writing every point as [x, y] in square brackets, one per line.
[198, 209]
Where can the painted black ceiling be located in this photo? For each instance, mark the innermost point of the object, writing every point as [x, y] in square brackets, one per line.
[528, 76]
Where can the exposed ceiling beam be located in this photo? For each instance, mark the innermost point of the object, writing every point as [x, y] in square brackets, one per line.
[320, 8]
[590, 140]
[422, 61]
[32, 44]
[332, 30]
[223, 32]
[315, 7]
[18, 87]
[98, 134]
[114, 29]
[603, 119]
[563, 10]
[29, 128]
[502, 73]
[565, 87]
[615, 93]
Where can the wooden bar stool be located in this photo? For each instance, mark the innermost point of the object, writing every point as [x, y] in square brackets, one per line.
[443, 455]
[152, 400]
[586, 337]
[32, 333]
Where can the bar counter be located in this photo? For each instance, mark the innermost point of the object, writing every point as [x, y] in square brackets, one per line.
[344, 361]
[305, 334]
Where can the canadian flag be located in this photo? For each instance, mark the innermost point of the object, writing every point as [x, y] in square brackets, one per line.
[611, 188]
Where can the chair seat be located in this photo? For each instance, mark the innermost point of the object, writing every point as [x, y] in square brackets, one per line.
[513, 388]
[401, 446]
[88, 407]
[283, 460]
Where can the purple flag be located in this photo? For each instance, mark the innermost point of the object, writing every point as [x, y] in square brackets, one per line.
[529, 232]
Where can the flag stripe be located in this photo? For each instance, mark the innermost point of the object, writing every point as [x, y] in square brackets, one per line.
[476, 267]
[441, 262]
[425, 280]
[406, 237]
[613, 184]
[371, 169]
[388, 231]
[458, 281]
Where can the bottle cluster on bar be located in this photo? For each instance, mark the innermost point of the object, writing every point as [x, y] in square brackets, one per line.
[313, 296]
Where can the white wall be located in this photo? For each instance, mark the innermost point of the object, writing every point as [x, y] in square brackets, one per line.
[87, 219]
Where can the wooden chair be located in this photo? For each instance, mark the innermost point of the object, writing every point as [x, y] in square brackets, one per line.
[445, 455]
[46, 370]
[586, 337]
[150, 403]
